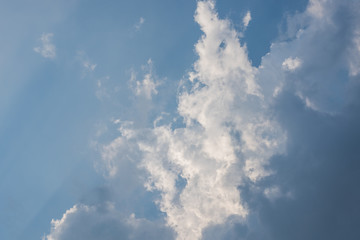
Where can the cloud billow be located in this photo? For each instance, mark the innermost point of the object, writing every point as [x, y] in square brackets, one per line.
[264, 153]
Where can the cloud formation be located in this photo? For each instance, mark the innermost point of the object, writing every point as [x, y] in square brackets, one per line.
[146, 87]
[262, 153]
[104, 222]
[247, 19]
[315, 90]
[227, 140]
[291, 64]
[47, 48]
[140, 23]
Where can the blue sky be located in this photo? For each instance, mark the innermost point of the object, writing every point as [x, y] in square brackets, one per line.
[179, 120]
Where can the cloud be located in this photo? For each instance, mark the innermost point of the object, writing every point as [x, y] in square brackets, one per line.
[318, 49]
[47, 48]
[102, 91]
[312, 192]
[147, 86]
[104, 222]
[87, 65]
[262, 153]
[316, 8]
[140, 23]
[291, 64]
[247, 19]
[227, 139]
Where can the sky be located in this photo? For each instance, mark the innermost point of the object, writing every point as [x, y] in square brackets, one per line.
[184, 120]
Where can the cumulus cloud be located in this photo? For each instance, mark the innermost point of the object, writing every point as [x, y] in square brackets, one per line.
[227, 140]
[316, 49]
[312, 191]
[104, 222]
[47, 48]
[262, 153]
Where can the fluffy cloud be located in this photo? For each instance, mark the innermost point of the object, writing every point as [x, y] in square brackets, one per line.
[104, 222]
[313, 191]
[323, 50]
[263, 153]
[291, 64]
[227, 140]
[247, 19]
[47, 48]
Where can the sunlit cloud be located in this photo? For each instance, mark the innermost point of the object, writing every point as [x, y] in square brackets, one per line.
[248, 150]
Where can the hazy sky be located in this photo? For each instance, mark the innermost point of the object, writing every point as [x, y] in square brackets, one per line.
[181, 120]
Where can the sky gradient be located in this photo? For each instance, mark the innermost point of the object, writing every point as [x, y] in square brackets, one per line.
[181, 120]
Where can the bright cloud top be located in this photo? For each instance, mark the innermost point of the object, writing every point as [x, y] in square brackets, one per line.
[47, 48]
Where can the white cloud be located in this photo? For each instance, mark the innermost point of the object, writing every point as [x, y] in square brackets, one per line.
[317, 8]
[236, 117]
[140, 23]
[322, 51]
[230, 133]
[224, 102]
[291, 64]
[89, 66]
[274, 193]
[147, 86]
[86, 63]
[354, 54]
[47, 48]
[104, 222]
[247, 19]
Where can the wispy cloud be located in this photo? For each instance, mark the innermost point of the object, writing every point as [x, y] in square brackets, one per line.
[88, 67]
[247, 19]
[47, 48]
[85, 61]
[147, 86]
[102, 92]
[139, 24]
